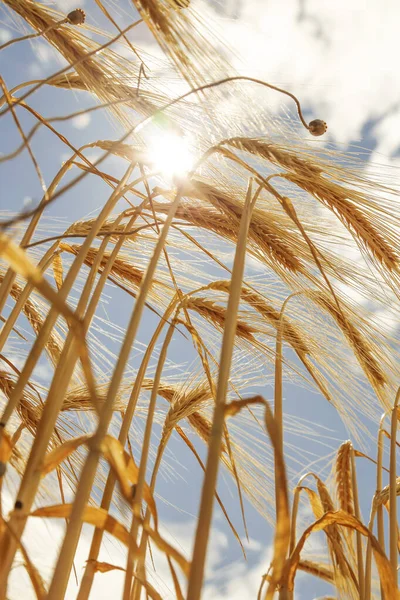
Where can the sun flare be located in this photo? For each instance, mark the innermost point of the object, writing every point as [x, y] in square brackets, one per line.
[171, 154]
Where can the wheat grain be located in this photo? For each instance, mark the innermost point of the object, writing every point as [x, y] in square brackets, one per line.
[343, 478]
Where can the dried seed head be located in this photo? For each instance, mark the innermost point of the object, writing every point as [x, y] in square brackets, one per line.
[77, 16]
[317, 127]
[181, 3]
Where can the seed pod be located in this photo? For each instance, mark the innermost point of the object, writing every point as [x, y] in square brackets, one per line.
[317, 127]
[181, 3]
[77, 16]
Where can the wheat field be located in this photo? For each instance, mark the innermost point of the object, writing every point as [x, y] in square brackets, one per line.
[234, 256]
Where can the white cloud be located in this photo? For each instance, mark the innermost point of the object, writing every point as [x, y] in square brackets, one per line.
[240, 581]
[42, 539]
[35, 70]
[67, 5]
[5, 35]
[337, 57]
[387, 132]
[81, 121]
[44, 52]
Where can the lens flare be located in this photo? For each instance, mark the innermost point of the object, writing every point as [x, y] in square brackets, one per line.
[170, 154]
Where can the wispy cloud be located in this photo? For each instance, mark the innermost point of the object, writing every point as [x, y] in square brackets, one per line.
[81, 121]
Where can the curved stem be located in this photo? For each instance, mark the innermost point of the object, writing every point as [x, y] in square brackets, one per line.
[30, 36]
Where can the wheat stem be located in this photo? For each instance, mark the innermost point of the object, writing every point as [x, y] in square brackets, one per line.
[68, 549]
[87, 579]
[210, 478]
[357, 512]
[393, 531]
[137, 500]
[60, 381]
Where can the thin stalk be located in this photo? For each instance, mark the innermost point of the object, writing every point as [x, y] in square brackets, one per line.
[368, 558]
[357, 512]
[24, 138]
[30, 36]
[18, 87]
[278, 408]
[203, 356]
[68, 549]
[278, 416]
[293, 522]
[16, 311]
[89, 573]
[61, 378]
[71, 65]
[379, 485]
[393, 533]
[374, 512]
[214, 447]
[202, 352]
[295, 508]
[140, 566]
[284, 593]
[45, 331]
[137, 500]
[9, 278]
[379, 481]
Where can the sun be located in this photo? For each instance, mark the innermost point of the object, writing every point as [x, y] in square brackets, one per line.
[171, 155]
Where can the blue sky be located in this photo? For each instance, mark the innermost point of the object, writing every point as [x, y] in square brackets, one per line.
[340, 59]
